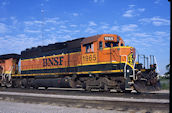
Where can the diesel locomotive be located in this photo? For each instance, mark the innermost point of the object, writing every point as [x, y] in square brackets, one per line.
[100, 62]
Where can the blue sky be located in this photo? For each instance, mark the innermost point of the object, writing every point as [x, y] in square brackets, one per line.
[143, 24]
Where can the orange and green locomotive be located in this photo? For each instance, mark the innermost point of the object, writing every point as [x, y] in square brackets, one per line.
[100, 62]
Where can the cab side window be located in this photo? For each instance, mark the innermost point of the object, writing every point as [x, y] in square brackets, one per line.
[115, 44]
[107, 44]
[100, 45]
[89, 48]
[111, 44]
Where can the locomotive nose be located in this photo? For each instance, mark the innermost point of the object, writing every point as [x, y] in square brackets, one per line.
[131, 50]
[124, 54]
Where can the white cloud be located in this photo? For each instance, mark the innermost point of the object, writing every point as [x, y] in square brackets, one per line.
[104, 27]
[49, 29]
[76, 31]
[56, 38]
[130, 27]
[139, 35]
[63, 26]
[4, 3]
[90, 30]
[73, 25]
[115, 28]
[160, 33]
[17, 43]
[35, 26]
[157, 1]
[96, 1]
[14, 20]
[158, 38]
[157, 21]
[3, 28]
[129, 13]
[131, 6]
[3, 19]
[28, 23]
[125, 28]
[32, 31]
[75, 14]
[52, 20]
[63, 31]
[141, 9]
[20, 42]
[21, 35]
[37, 22]
[34, 22]
[91, 23]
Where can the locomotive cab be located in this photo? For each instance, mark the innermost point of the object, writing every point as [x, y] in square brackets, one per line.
[107, 48]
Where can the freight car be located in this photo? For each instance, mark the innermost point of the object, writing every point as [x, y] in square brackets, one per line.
[100, 62]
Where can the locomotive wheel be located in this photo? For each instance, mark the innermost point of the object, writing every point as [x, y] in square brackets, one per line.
[25, 84]
[35, 87]
[8, 85]
[106, 88]
[84, 85]
[72, 84]
[88, 89]
[127, 91]
[103, 88]
[16, 84]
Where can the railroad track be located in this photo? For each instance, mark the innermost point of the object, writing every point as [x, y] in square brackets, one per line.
[78, 98]
[81, 92]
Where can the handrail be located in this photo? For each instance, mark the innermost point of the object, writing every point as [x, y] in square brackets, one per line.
[2, 71]
[9, 78]
[134, 76]
[156, 65]
[125, 65]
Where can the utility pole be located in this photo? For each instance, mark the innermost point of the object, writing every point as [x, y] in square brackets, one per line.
[170, 59]
[42, 23]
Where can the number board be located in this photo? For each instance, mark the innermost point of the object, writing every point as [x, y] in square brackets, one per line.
[89, 58]
[108, 38]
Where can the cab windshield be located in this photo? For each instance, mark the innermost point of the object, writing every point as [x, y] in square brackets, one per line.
[111, 44]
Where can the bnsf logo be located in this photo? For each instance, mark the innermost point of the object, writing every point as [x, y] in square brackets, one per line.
[55, 61]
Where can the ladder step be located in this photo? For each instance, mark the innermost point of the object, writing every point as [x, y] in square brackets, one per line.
[130, 83]
[143, 79]
[128, 88]
[131, 75]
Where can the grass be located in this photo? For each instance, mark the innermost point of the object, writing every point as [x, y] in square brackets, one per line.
[165, 84]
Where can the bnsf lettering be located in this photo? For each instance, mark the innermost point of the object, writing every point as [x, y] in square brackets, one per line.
[53, 61]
